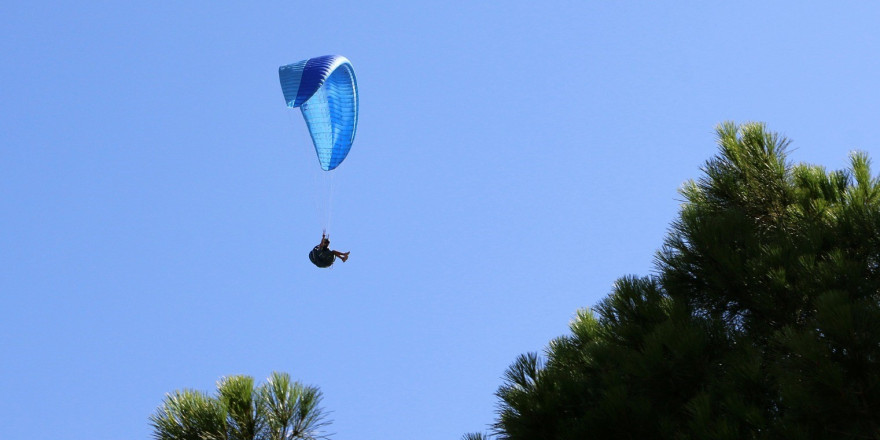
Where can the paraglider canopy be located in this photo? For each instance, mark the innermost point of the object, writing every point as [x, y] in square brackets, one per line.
[325, 90]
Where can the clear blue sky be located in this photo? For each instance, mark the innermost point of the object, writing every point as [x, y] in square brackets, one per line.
[512, 160]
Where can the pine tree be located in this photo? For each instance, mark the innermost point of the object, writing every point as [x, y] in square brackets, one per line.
[279, 409]
[761, 322]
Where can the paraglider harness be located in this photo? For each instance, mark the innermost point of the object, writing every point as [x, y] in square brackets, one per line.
[321, 255]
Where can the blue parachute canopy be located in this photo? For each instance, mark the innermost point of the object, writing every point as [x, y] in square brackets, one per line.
[325, 90]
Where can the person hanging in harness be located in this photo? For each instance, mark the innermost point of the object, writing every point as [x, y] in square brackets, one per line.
[322, 256]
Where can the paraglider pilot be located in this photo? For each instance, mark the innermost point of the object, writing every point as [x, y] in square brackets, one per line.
[322, 256]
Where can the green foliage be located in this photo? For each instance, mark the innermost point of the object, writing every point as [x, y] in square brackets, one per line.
[292, 410]
[280, 409]
[244, 416]
[189, 415]
[761, 322]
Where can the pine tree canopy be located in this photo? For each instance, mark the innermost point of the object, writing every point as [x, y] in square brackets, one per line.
[280, 409]
[762, 320]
